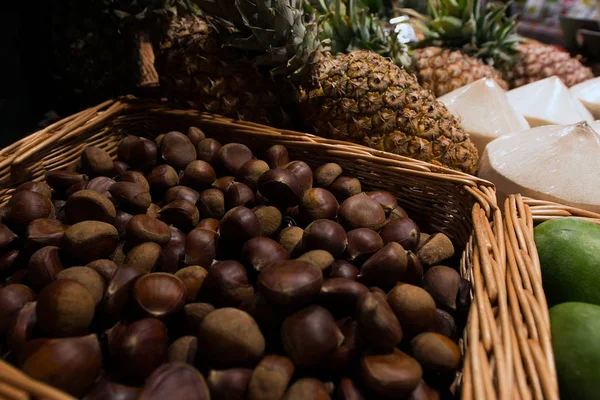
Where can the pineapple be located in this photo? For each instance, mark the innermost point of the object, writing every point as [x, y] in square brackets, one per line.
[360, 96]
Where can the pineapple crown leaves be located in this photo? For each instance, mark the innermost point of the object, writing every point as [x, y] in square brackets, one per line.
[278, 34]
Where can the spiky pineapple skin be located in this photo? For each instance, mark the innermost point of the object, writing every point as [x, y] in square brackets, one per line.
[365, 98]
[444, 70]
[538, 61]
[194, 69]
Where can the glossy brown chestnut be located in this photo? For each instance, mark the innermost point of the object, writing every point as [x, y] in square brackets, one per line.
[195, 135]
[307, 389]
[270, 219]
[303, 172]
[403, 231]
[270, 378]
[324, 234]
[277, 156]
[159, 294]
[101, 184]
[239, 225]
[341, 295]
[64, 308]
[20, 328]
[89, 205]
[310, 336]
[7, 237]
[281, 186]
[251, 171]
[90, 240]
[377, 322]
[345, 187]
[362, 243]
[143, 228]
[70, 364]
[8, 259]
[193, 279]
[290, 238]
[226, 284]
[318, 203]
[173, 253]
[153, 210]
[239, 194]
[211, 203]
[117, 293]
[24, 207]
[201, 247]
[106, 268]
[61, 180]
[222, 182]
[208, 150]
[233, 155]
[139, 153]
[319, 258]
[109, 390]
[87, 277]
[144, 256]
[384, 268]
[121, 221]
[120, 167]
[444, 324]
[181, 193]
[131, 197]
[180, 213]
[290, 282]
[230, 338]
[393, 374]
[385, 199]
[228, 384]
[43, 267]
[35, 186]
[424, 392]
[194, 314]
[96, 162]
[141, 349]
[344, 356]
[184, 349]
[348, 390]
[360, 211]
[435, 352]
[443, 285]
[326, 174]
[413, 306]
[260, 252]
[162, 178]
[76, 188]
[135, 177]
[177, 150]
[414, 269]
[199, 175]
[211, 224]
[343, 269]
[12, 298]
[175, 381]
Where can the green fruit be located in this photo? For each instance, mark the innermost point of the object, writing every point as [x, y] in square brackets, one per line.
[569, 250]
[576, 344]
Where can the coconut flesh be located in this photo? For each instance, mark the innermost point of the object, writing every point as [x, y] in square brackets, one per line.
[559, 163]
[548, 102]
[588, 93]
[484, 111]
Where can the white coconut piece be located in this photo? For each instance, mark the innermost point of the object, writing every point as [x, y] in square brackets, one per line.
[548, 102]
[596, 126]
[484, 111]
[556, 163]
[588, 92]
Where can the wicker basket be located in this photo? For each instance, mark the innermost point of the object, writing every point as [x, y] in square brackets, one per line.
[439, 199]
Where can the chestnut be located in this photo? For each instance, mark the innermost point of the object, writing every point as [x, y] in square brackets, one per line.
[175, 381]
[290, 238]
[385, 199]
[141, 348]
[384, 268]
[377, 322]
[142, 228]
[362, 243]
[69, 364]
[106, 269]
[101, 184]
[76, 188]
[345, 187]
[12, 298]
[319, 258]
[61, 180]
[326, 174]
[277, 156]
[226, 284]
[135, 177]
[260, 252]
[208, 150]
[324, 234]
[340, 294]
[177, 150]
[194, 313]
[402, 231]
[8, 259]
[20, 328]
[8, 237]
[89, 278]
[310, 336]
[251, 171]
[96, 162]
[159, 294]
[90, 240]
[35, 186]
[222, 182]
[162, 177]
[443, 284]
[144, 256]
[181, 193]
[281, 186]
[348, 390]
[413, 306]
[180, 213]
[43, 267]
[24, 207]
[270, 378]
[139, 153]
[88, 205]
[444, 324]
[131, 197]
[230, 338]
[211, 203]
[307, 389]
[173, 253]
[108, 390]
[199, 175]
[201, 247]
[238, 194]
[437, 248]
[117, 293]
[212, 224]
[344, 356]
[64, 308]
[343, 269]
[239, 225]
[120, 222]
[233, 155]
[424, 392]
[435, 352]
[119, 167]
[270, 219]
[414, 269]
[184, 349]
[361, 211]
[290, 282]
[153, 210]
[318, 203]
[228, 384]
[393, 374]
[18, 277]
[195, 135]
[193, 279]
[303, 172]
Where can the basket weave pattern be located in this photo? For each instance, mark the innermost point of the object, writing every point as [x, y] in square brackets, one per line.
[505, 343]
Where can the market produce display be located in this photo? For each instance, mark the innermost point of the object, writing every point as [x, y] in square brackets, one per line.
[189, 268]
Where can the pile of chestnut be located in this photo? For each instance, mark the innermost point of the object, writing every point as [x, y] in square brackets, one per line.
[191, 269]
